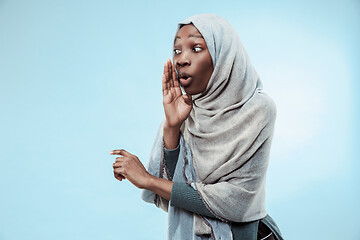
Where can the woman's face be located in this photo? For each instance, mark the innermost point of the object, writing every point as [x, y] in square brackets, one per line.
[192, 60]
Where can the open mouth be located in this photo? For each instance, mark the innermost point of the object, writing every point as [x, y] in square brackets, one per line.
[185, 79]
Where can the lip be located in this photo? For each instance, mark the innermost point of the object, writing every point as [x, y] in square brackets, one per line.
[185, 82]
[185, 79]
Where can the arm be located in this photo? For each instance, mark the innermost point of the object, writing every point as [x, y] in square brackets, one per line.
[183, 195]
[170, 159]
[177, 108]
[128, 166]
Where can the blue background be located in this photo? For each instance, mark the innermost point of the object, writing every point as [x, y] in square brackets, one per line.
[80, 78]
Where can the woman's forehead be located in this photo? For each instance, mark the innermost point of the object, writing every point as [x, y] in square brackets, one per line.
[188, 31]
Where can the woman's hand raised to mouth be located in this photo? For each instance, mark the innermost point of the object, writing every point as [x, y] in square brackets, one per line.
[177, 106]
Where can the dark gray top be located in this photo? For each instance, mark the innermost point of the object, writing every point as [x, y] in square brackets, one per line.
[186, 197]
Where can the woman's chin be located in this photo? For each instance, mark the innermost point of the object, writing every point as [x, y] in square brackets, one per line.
[191, 91]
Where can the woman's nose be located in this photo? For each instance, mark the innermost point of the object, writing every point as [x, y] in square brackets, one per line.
[183, 60]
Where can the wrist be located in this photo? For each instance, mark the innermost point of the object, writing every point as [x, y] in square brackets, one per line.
[150, 183]
[172, 128]
[160, 186]
[171, 137]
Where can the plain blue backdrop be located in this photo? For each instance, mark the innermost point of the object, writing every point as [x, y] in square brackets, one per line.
[80, 78]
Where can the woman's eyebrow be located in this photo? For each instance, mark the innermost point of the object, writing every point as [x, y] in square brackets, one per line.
[190, 36]
[195, 36]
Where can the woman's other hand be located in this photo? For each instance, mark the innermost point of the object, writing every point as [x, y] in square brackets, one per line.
[177, 106]
[128, 166]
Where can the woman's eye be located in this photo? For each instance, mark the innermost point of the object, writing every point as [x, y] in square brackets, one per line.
[197, 49]
[177, 51]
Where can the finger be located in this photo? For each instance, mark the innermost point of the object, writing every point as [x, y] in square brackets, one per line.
[114, 152]
[174, 77]
[187, 99]
[171, 80]
[119, 176]
[166, 79]
[125, 153]
[166, 71]
[176, 82]
[165, 89]
[121, 152]
[120, 171]
[117, 164]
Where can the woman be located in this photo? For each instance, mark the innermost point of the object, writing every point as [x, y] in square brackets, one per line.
[210, 157]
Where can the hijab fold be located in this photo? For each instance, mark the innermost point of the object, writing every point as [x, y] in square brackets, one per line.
[227, 136]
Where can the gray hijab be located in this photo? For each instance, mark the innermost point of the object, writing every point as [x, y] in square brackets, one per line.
[230, 127]
[229, 130]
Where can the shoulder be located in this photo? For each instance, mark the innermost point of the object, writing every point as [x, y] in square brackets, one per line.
[266, 104]
[262, 109]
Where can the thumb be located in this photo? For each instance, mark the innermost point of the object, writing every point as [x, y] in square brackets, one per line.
[187, 99]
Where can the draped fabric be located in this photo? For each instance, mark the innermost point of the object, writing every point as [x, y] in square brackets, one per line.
[228, 134]
[182, 224]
